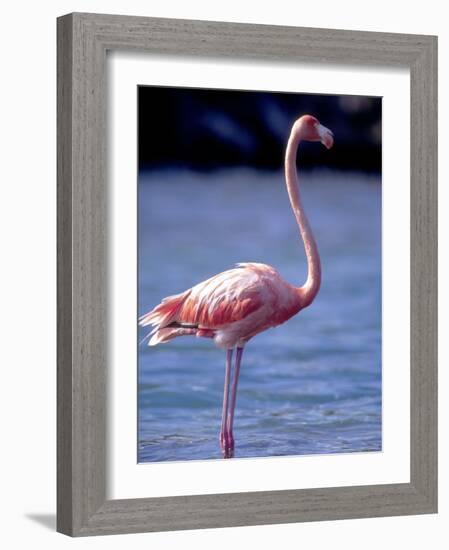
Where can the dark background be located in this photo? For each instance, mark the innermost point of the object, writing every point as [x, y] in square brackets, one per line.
[204, 129]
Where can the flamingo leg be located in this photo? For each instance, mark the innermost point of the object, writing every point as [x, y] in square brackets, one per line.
[224, 437]
[230, 419]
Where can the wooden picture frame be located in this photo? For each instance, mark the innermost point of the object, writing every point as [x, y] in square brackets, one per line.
[83, 40]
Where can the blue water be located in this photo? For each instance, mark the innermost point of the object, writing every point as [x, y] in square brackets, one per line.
[310, 386]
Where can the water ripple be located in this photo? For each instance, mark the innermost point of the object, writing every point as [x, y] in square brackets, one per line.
[310, 386]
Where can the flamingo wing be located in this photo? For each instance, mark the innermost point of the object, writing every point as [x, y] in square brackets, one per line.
[213, 304]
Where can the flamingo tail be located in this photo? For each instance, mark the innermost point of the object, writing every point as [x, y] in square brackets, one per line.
[163, 320]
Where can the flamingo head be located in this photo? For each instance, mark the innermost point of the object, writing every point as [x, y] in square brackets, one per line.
[311, 129]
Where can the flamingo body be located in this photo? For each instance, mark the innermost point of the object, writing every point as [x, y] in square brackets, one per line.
[230, 307]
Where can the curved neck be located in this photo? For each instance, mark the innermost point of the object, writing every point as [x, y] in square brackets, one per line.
[311, 287]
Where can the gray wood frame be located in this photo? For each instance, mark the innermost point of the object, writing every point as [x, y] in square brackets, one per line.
[83, 40]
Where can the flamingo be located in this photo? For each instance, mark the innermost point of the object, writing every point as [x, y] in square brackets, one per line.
[235, 305]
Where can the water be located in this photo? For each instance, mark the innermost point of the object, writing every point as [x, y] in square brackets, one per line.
[310, 386]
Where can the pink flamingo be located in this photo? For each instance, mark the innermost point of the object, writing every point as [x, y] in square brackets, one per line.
[237, 304]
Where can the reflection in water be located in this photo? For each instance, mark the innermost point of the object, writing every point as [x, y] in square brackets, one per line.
[312, 385]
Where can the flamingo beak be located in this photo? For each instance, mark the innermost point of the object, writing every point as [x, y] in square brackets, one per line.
[326, 136]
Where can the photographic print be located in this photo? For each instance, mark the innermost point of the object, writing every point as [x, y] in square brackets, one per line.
[259, 274]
